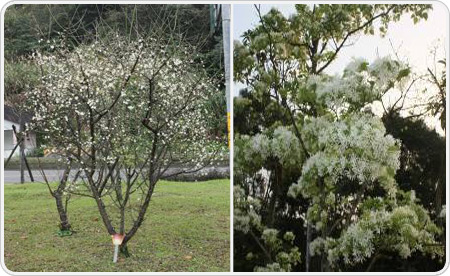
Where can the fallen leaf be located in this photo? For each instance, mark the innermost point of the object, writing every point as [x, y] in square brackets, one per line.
[188, 257]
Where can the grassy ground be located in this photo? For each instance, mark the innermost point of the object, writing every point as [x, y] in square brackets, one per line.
[186, 229]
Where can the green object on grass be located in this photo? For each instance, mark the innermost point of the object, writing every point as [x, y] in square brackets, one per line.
[63, 233]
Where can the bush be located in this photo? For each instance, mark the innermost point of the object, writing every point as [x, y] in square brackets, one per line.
[36, 152]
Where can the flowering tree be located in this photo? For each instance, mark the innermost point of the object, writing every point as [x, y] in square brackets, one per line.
[324, 139]
[348, 163]
[124, 111]
[353, 148]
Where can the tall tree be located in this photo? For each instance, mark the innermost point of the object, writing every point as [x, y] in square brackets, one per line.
[282, 62]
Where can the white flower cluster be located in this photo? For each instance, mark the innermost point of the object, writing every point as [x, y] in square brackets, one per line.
[255, 150]
[404, 230]
[355, 147]
[261, 145]
[245, 212]
[286, 147]
[95, 99]
[360, 84]
[358, 240]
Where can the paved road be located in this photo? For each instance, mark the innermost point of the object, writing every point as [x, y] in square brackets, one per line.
[13, 176]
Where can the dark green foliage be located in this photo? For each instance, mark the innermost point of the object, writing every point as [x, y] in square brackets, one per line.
[191, 21]
[19, 39]
[422, 160]
[25, 25]
[36, 152]
[252, 114]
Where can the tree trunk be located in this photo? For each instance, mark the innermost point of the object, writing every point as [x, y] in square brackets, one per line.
[373, 261]
[271, 214]
[324, 264]
[123, 249]
[60, 206]
[440, 190]
[100, 205]
[21, 151]
[275, 194]
[64, 219]
[102, 209]
[142, 210]
[137, 223]
[440, 187]
[308, 242]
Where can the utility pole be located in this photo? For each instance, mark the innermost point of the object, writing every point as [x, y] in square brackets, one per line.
[226, 11]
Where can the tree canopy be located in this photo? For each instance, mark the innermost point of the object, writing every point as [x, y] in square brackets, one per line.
[311, 159]
[122, 94]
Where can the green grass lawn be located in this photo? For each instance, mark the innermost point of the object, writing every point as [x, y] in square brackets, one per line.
[186, 229]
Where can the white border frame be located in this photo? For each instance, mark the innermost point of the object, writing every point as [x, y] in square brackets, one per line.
[5, 5]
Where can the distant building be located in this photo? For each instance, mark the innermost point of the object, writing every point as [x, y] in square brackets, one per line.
[12, 119]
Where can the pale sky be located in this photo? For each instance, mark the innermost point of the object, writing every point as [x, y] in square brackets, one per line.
[412, 42]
